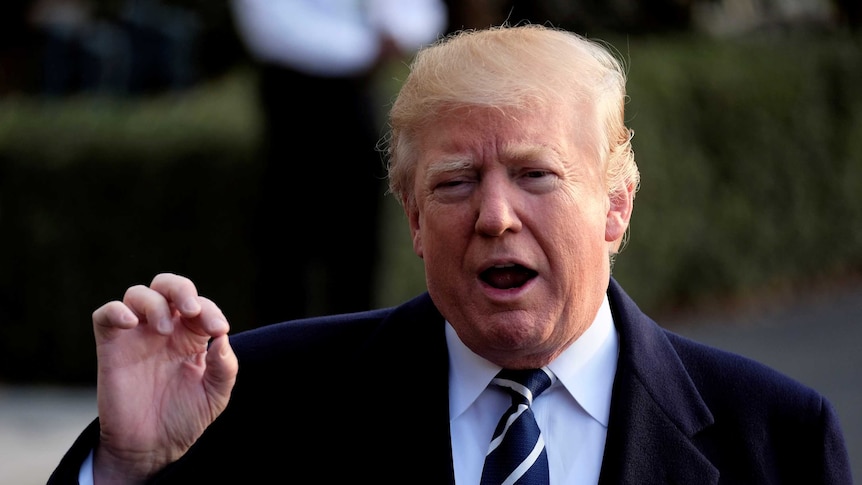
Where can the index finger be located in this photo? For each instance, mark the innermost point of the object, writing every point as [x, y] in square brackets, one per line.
[179, 291]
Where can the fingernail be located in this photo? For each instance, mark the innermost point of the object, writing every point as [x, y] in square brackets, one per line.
[165, 325]
[190, 306]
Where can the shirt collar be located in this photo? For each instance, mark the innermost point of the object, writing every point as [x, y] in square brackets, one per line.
[586, 369]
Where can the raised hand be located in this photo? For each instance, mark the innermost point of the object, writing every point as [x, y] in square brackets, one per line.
[165, 372]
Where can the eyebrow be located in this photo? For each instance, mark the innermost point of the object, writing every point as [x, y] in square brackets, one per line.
[514, 151]
[451, 165]
[518, 151]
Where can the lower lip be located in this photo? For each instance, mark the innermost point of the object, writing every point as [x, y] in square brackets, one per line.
[507, 294]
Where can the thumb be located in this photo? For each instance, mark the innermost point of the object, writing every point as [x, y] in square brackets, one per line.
[221, 370]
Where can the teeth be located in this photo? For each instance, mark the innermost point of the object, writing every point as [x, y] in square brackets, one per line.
[507, 265]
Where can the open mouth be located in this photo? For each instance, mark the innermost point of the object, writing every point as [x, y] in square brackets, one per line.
[508, 276]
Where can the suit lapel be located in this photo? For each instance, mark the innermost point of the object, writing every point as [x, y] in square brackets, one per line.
[656, 411]
[417, 410]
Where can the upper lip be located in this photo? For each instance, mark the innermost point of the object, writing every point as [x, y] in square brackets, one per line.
[504, 263]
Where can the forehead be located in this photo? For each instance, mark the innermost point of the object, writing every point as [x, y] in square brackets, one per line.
[475, 131]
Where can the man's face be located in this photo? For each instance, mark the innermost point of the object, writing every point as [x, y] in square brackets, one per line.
[514, 224]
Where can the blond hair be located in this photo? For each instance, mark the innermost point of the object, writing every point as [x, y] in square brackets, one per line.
[512, 67]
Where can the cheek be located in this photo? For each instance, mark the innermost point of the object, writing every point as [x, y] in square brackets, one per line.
[573, 231]
[445, 234]
[572, 217]
[429, 231]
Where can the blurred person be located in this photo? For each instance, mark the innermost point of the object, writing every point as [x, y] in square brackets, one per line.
[63, 26]
[509, 153]
[164, 38]
[133, 47]
[315, 231]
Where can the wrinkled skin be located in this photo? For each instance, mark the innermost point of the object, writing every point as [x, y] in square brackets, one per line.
[159, 385]
[515, 225]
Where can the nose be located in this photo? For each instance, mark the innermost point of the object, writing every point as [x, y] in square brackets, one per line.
[497, 212]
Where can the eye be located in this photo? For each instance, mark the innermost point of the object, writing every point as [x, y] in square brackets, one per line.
[453, 189]
[538, 181]
[450, 183]
[536, 174]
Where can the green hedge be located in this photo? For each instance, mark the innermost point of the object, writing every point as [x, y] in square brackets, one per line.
[749, 151]
[98, 195]
[751, 167]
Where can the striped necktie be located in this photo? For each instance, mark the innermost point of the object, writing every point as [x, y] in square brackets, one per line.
[517, 451]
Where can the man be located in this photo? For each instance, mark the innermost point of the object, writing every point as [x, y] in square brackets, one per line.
[510, 156]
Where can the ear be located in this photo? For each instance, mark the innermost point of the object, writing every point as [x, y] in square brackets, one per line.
[412, 212]
[619, 214]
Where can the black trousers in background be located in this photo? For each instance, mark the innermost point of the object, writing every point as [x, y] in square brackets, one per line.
[315, 230]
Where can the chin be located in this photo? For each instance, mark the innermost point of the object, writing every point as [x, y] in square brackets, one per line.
[514, 331]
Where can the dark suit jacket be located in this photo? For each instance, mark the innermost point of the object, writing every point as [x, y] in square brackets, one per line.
[363, 397]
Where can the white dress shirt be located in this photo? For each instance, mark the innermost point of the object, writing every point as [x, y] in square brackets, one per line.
[572, 413]
[335, 37]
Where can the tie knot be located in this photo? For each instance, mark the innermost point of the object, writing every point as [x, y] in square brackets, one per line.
[525, 384]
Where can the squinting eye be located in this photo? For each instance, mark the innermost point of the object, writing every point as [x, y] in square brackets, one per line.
[452, 186]
[538, 181]
[452, 191]
[537, 174]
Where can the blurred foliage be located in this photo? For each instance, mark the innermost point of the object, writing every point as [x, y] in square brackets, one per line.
[98, 194]
[751, 173]
[752, 181]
